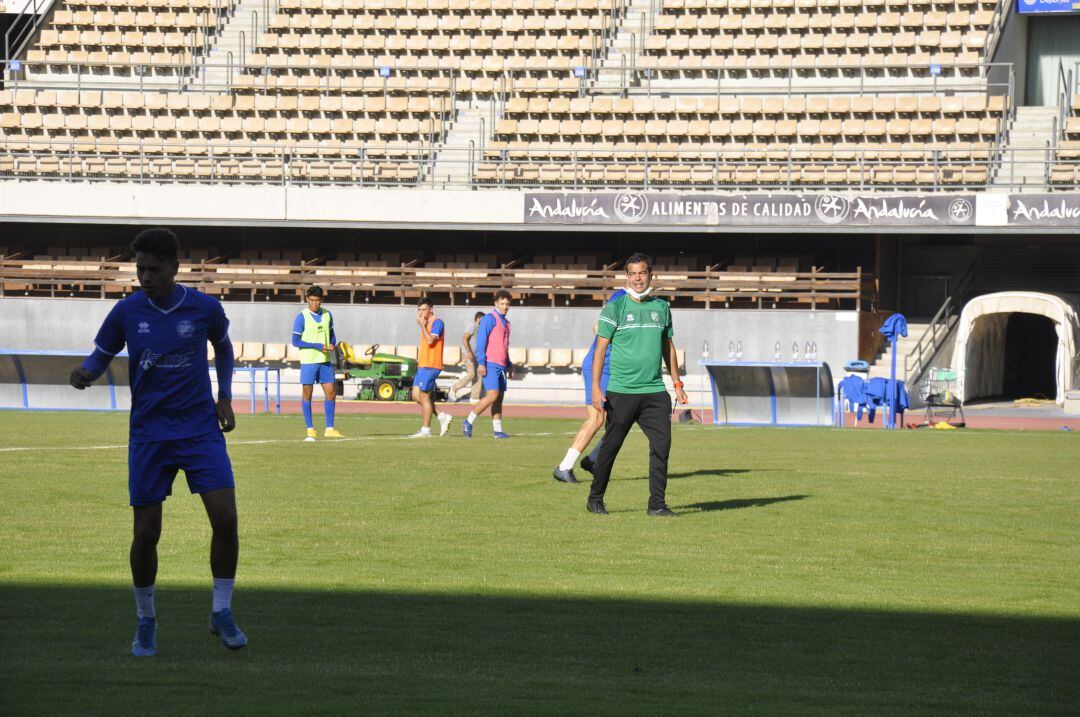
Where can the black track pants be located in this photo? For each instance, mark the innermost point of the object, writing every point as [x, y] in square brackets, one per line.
[651, 411]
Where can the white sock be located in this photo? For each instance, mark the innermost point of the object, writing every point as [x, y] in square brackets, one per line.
[144, 602]
[496, 425]
[568, 461]
[223, 593]
[426, 430]
[472, 417]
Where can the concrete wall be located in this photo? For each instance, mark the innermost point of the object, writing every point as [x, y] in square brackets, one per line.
[70, 325]
[1012, 47]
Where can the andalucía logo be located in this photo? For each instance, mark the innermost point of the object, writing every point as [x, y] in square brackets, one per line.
[631, 207]
[831, 208]
[960, 210]
[186, 329]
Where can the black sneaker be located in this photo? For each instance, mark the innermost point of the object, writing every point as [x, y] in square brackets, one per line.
[564, 476]
[587, 464]
[664, 512]
[596, 506]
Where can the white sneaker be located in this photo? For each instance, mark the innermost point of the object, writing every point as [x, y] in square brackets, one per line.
[420, 434]
[445, 419]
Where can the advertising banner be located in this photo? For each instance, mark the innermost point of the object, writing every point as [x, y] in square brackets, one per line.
[1053, 210]
[1038, 7]
[665, 209]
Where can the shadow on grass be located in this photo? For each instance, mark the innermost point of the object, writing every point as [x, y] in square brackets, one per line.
[711, 505]
[699, 473]
[65, 651]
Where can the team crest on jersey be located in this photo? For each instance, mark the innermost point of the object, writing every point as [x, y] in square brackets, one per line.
[655, 316]
[186, 329]
[144, 328]
[629, 317]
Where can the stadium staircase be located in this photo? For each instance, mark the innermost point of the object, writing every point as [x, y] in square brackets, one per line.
[905, 345]
[1032, 135]
[231, 47]
[627, 46]
[470, 132]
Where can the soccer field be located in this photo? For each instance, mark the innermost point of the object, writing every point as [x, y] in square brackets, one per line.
[809, 572]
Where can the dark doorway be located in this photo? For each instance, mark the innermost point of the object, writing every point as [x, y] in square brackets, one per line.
[1030, 353]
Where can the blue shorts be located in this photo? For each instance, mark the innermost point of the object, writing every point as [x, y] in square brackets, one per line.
[152, 467]
[312, 373]
[604, 377]
[496, 378]
[425, 379]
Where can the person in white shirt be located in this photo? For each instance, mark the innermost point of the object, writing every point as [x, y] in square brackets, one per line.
[468, 360]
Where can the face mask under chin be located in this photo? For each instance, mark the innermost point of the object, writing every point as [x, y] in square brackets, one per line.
[639, 295]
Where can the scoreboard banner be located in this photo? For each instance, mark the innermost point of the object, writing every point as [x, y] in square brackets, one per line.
[819, 210]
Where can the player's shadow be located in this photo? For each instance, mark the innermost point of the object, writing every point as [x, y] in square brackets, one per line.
[699, 473]
[736, 503]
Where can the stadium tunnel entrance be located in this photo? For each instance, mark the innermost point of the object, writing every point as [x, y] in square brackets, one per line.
[1018, 345]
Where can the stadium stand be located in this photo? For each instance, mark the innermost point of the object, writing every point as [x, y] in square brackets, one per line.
[114, 37]
[387, 278]
[689, 35]
[370, 91]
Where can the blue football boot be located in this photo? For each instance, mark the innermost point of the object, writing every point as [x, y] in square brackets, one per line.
[500, 434]
[221, 624]
[466, 429]
[145, 642]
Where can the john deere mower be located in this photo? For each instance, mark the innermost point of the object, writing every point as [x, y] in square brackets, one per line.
[381, 377]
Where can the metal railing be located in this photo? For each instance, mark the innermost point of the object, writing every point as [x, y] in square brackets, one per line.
[181, 158]
[1001, 14]
[917, 360]
[811, 289]
[861, 78]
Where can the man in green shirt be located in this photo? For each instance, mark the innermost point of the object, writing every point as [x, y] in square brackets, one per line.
[638, 328]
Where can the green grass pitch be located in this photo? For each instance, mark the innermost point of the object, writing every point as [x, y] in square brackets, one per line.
[815, 572]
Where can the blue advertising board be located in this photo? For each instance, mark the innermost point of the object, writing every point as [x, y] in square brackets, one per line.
[1038, 7]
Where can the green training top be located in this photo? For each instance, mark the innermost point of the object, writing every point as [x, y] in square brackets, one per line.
[636, 331]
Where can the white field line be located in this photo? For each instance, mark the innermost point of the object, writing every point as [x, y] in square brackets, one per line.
[26, 449]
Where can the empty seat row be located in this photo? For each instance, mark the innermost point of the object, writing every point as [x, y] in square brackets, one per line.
[712, 175]
[822, 22]
[735, 152]
[885, 106]
[277, 147]
[253, 129]
[424, 25]
[591, 131]
[458, 7]
[208, 169]
[700, 6]
[26, 100]
[421, 45]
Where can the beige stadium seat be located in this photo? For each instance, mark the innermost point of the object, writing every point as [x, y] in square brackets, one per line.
[275, 353]
[250, 352]
[210, 351]
[518, 356]
[451, 355]
[579, 358]
[537, 358]
[407, 351]
[561, 358]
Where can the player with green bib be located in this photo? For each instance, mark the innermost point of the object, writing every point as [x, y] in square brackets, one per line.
[313, 334]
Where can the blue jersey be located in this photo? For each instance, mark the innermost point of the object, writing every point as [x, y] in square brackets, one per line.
[586, 364]
[167, 367]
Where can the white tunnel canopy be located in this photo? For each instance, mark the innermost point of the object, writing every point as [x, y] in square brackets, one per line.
[979, 358]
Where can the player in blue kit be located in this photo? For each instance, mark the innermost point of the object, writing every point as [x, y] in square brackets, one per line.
[594, 415]
[175, 423]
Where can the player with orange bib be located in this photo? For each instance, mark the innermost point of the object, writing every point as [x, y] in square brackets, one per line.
[429, 366]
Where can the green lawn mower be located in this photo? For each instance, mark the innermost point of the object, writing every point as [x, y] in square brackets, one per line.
[381, 377]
